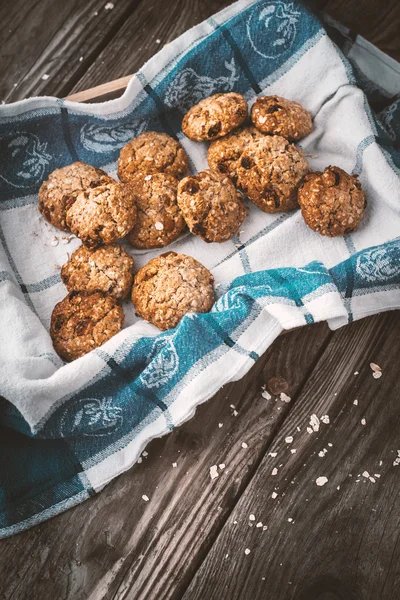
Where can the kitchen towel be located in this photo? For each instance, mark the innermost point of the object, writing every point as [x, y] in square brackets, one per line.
[66, 430]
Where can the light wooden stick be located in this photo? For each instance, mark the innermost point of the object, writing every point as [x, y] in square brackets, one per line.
[96, 93]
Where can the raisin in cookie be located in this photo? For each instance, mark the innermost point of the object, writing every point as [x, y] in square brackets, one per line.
[103, 214]
[224, 154]
[332, 202]
[170, 286]
[213, 209]
[214, 117]
[159, 219]
[108, 269]
[152, 152]
[82, 322]
[62, 187]
[278, 116]
[269, 172]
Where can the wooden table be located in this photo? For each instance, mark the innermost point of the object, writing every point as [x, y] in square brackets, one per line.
[334, 542]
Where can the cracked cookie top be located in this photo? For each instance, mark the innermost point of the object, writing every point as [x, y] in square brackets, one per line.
[152, 152]
[108, 269]
[213, 209]
[332, 203]
[269, 172]
[82, 322]
[159, 219]
[103, 214]
[169, 287]
[62, 187]
[277, 116]
[224, 154]
[214, 117]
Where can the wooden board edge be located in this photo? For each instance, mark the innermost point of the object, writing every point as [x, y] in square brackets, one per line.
[102, 91]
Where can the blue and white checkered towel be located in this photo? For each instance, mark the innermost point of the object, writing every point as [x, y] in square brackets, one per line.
[67, 429]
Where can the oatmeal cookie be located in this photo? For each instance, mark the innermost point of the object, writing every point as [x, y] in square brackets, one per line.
[224, 154]
[170, 286]
[82, 322]
[213, 209]
[159, 219]
[278, 116]
[215, 116]
[108, 269]
[269, 172]
[152, 152]
[62, 187]
[103, 214]
[332, 202]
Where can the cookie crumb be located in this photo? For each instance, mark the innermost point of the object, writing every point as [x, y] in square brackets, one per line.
[214, 472]
[320, 481]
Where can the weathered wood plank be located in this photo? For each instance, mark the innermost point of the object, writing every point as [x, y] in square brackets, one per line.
[77, 37]
[150, 27]
[26, 28]
[378, 22]
[118, 546]
[340, 543]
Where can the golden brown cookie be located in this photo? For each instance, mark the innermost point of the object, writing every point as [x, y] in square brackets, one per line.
[62, 187]
[169, 287]
[215, 116]
[82, 322]
[152, 152]
[224, 154]
[108, 269]
[277, 116]
[269, 172]
[332, 203]
[103, 214]
[159, 218]
[213, 209]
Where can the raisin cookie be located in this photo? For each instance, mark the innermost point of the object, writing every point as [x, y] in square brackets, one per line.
[332, 202]
[62, 187]
[170, 286]
[108, 269]
[215, 116]
[152, 152]
[103, 214]
[278, 116]
[213, 209]
[82, 322]
[269, 172]
[159, 219]
[224, 154]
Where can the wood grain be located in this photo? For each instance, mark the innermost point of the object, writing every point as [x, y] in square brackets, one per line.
[64, 49]
[341, 543]
[117, 546]
[378, 22]
[21, 45]
[145, 32]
